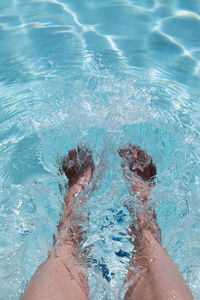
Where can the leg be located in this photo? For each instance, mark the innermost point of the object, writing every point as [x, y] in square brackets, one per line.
[152, 274]
[62, 275]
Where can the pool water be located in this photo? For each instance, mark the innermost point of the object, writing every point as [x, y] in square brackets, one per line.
[102, 73]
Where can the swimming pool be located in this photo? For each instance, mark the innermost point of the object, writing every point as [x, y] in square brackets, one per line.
[100, 72]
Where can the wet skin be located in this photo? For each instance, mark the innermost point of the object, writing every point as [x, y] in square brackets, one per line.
[152, 274]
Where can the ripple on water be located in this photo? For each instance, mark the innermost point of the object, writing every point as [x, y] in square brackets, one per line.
[192, 6]
[183, 28]
[129, 111]
[164, 47]
[70, 74]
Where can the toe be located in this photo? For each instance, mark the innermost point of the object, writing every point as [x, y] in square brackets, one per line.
[86, 160]
[70, 166]
[126, 152]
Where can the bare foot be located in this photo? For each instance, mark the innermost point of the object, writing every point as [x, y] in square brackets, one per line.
[141, 173]
[150, 271]
[63, 274]
[78, 166]
[139, 169]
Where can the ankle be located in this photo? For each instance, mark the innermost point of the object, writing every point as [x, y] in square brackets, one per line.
[148, 227]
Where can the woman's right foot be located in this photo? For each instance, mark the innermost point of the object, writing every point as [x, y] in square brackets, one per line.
[141, 173]
[139, 169]
[138, 161]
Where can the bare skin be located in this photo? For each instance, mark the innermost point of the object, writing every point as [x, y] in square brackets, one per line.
[152, 274]
[62, 275]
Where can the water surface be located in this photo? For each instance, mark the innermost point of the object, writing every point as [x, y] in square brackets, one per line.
[102, 73]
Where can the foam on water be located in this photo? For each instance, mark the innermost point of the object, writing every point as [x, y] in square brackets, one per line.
[73, 78]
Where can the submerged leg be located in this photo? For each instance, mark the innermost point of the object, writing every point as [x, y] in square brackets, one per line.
[152, 274]
[62, 275]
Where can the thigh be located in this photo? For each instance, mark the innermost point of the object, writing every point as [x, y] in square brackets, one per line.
[56, 279]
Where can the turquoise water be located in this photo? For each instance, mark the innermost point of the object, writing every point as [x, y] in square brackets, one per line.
[102, 73]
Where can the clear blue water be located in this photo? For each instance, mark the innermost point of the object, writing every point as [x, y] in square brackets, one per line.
[100, 72]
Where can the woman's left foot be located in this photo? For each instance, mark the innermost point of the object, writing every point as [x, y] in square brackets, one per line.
[78, 166]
